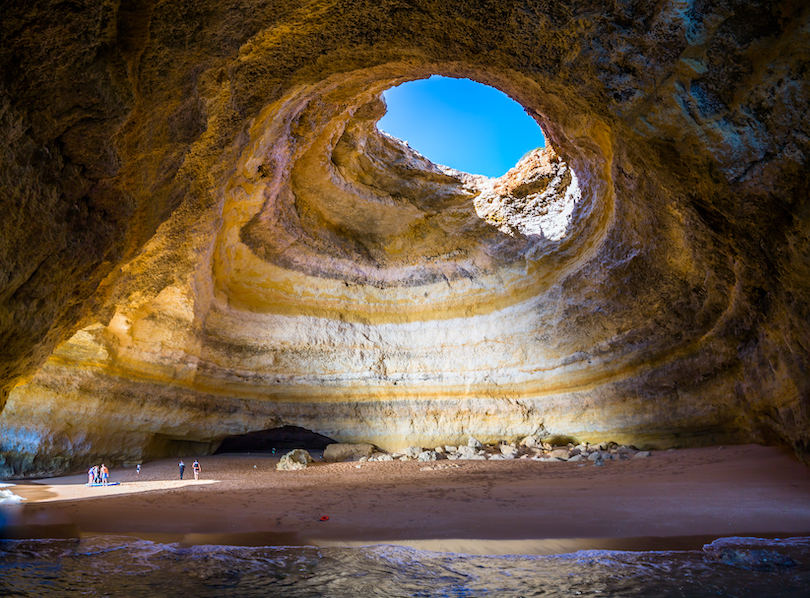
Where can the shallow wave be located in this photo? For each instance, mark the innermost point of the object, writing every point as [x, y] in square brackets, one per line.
[7, 497]
[122, 566]
[799, 541]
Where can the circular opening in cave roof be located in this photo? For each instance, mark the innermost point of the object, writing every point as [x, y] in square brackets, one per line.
[462, 124]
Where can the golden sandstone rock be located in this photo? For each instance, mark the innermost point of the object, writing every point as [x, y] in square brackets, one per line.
[204, 234]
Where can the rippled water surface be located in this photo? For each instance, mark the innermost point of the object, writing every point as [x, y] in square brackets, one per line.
[121, 566]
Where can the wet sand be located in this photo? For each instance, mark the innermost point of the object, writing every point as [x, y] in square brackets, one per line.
[674, 499]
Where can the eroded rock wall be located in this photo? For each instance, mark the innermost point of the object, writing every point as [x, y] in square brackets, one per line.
[204, 234]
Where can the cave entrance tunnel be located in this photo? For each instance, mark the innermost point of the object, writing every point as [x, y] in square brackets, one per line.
[276, 439]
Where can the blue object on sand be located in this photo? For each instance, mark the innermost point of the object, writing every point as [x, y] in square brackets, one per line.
[110, 484]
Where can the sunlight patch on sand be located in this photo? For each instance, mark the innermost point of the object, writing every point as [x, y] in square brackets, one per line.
[62, 489]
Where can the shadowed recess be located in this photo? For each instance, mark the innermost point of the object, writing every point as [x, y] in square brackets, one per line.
[283, 438]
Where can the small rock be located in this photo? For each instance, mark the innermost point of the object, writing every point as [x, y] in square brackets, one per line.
[427, 456]
[560, 453]
[466, 452]
[507, 449]
[530, 442]
[598, 462]
[577, 457]
[439, 449]
[450, 449]
[501, 457]
[413, 452]
[641, 455]
[474, 442]
[295, 459]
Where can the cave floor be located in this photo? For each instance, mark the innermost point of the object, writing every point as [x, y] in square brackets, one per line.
[671, 500]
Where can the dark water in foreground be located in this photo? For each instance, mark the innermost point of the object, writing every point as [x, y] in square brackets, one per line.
[122, 566]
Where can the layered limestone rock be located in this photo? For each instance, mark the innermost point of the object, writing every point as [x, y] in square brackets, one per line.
[205, 235]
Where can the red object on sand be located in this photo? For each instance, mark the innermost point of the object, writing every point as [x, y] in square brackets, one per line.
[325, 518]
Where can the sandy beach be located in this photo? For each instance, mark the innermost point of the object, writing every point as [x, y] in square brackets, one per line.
[672, 499]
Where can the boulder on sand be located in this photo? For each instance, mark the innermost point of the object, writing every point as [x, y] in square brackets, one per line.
[295, 459]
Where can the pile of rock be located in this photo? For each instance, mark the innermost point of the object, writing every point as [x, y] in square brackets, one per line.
[597, 453]
[530, 447]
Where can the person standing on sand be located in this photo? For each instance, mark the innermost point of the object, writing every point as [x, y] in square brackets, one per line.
[182, 468]
[91, 475]
[105, 475]
[197, 469]
[138, 469]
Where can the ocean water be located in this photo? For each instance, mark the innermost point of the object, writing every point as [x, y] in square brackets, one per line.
[127, 567]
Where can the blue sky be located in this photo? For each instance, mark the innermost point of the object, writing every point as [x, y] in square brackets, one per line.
[461, 124]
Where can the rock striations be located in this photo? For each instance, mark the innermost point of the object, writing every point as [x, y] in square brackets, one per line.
[204, 234]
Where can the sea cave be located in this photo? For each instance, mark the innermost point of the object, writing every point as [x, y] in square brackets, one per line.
[205, 236]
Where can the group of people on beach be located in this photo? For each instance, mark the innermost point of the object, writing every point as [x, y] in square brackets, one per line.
[98, 475]
[101, 475]
[194, 466]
